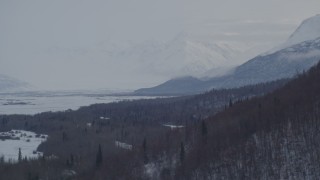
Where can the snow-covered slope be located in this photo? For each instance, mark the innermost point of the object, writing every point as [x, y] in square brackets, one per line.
[301, 54]
[309, 29]
[184, 55]
[8, 84]
[285, 63]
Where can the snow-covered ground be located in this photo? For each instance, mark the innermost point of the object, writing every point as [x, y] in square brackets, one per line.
[13, 140]
[32, 103]
[172, 127]
[123, 145]
[308, 30]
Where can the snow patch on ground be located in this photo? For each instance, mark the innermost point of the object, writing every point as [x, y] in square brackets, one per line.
[28, 141]
[123, 145]
[172, 127]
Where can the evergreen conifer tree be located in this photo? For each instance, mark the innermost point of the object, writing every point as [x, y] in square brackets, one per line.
[99, 157]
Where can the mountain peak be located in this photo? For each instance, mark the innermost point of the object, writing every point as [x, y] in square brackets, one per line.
[309, 29]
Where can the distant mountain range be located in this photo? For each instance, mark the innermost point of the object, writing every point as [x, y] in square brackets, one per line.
[189, 55]
[186, 54]
[300, 52]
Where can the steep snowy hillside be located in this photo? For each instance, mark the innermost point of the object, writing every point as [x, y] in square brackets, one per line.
[8, 84]
[298, 55]
[285, 63]
[309, 29]
[184, 55]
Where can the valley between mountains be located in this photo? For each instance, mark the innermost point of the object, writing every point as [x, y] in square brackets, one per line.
[257, 120]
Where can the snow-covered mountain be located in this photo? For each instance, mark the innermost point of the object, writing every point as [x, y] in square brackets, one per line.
[190, 55]
[184, 55]
[309, 29]
[8, 84]
[283, 63]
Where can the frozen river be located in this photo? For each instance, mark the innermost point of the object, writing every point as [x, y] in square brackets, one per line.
[37, 102]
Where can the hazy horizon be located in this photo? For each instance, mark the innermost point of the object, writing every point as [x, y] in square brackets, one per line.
[68, 45]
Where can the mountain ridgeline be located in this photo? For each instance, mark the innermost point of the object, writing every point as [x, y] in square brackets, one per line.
[76, 136]
[285, 63]
[271, 137]
[266, 129]
[222, 134]
[298, 54]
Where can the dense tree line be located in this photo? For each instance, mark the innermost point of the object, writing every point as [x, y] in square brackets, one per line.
[271, 137]
[81, 145]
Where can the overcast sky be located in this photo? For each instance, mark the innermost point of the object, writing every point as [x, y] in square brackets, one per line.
[31, 31]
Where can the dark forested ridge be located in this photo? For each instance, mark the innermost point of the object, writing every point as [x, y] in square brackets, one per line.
[75, 137]
[224, 134]
[271, 137]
